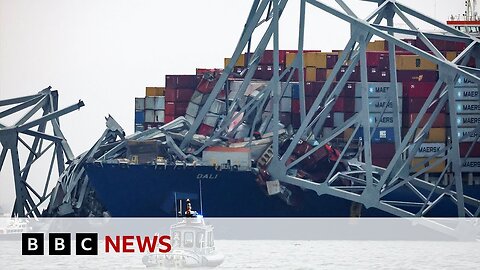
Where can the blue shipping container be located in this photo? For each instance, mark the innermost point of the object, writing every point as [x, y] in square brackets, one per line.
[139, 117]
[380, 135]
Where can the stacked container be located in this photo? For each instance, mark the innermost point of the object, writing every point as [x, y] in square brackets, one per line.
[178, 92]
[149, 110]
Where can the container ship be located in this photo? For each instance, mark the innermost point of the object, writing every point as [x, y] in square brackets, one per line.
[224, 170]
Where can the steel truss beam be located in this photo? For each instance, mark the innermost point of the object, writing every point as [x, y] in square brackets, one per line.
[374, 187]
[46, 102]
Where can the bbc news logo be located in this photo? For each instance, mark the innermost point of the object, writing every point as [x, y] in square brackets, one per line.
[87, 244]
[60, 244]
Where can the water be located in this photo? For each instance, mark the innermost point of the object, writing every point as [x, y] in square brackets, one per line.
[277, 254]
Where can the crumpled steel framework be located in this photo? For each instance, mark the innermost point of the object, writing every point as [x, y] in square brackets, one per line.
[28, 125]
[372, 184]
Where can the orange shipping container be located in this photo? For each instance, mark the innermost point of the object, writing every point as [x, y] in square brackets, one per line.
[375, 46]
[154, 91]
[240, 61]
[311, 74]
[418, 165]
[434, 135]
[315, 59]
[414, 62]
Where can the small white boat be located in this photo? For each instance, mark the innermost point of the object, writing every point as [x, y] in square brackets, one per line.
[13, 229]
[192, 246]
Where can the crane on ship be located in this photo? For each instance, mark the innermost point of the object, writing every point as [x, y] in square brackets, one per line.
[353, 179]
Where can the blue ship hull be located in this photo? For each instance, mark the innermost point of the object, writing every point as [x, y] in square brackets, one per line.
[153, 191]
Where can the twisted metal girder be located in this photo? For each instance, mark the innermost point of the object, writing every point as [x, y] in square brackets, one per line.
[46, 103]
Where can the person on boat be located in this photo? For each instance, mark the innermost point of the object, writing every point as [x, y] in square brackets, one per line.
[189, 212]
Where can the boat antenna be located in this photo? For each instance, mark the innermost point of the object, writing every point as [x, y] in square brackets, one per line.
[201, 201]
[176, 206]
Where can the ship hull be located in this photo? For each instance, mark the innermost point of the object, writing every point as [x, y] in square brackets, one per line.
[155, 191]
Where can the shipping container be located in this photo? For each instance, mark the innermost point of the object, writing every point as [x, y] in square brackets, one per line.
[354, 77]
[430, 149]
[218, 107]
[414, 62]
[376, 105]
[150, 103]
[199, 98]
[465, 147]
[178, 94]
[205, 130]
[467, 93]
[407, 76]
[418, 89]
[433, 135]
[182, 81]
[470, 134]
[211, 119]
[150, 116]
[378, 89]
[139, 117]
[332, 59]
[440, 121]
[311, 74]
[175, 108]
[467, 107]
[154, 91]
[419, 163]
[468, 120]
[240, 61]
[385, 120]
[376, 74]
[140, 104]
[414, 105]
[192, 109]
[471, 165]
[139, 128]
[160, 116]
[381, 135]
[159, 103]
[383, 151]
[217, 155]
[315, 59]
[377, 45]
[378, 59]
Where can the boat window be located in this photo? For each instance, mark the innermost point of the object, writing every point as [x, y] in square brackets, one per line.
[200, 240]
[176, 239]
[188, 240]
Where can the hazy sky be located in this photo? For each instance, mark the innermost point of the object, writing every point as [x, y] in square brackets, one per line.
[106, 52]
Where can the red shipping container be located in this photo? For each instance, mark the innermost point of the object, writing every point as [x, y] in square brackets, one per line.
[378, 59]
[181, 81]
[267, 58]
[178, 95]
[440, 121]
[464, 147]
[176, 108]
[418, 90]
[414, 105]
[332, 60]
[205, 130]
[407, 76]
[378, 75]
[321, 74]
[339, 105]
[286, 118]
[348, 90]
[383, 163]
[169, 118]
[296, 120]
[354, 77]
[383, 151]
[295, 106]
[312, 89]
[409, 41]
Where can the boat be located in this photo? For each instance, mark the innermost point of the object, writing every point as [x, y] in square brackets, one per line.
[13, 229]
[192, 245]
